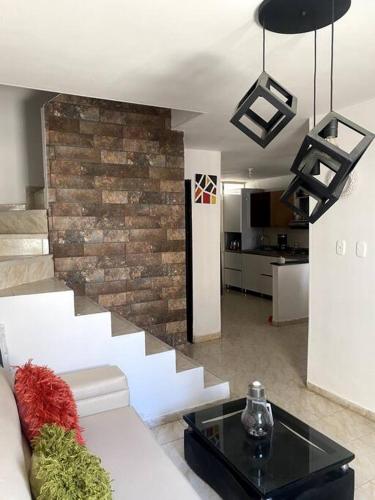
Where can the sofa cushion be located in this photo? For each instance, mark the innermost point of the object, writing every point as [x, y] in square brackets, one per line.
[44, 398]
[98, 389]
[93, 382]
[137, 464]
[14, 483]
[106, 402]
[65, 470]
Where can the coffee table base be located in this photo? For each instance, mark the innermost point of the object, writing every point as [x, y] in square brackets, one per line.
[334, 485]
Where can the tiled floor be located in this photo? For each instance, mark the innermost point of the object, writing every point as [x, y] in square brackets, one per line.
[252, 349]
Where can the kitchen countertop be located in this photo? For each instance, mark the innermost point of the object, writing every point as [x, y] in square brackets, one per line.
[275, 252]
[290, 262]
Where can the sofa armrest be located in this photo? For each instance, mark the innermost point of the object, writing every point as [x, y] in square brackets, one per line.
[98, 389]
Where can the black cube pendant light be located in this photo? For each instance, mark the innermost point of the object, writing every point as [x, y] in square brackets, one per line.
[261, 130]
[318, 150]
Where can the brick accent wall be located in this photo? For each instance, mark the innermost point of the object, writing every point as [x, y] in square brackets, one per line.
[116, 208]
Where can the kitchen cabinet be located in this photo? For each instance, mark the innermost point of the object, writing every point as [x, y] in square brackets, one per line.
[237, 217]
[233, 260]
[233, 269]
[260, 209]
[257, 273]
[268, 211]
[232, 213]
[281, 215]
[232, 277]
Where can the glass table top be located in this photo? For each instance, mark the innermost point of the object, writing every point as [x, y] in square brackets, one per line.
[294, 451]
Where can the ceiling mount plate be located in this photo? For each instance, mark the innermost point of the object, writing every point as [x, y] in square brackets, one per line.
[299, 16]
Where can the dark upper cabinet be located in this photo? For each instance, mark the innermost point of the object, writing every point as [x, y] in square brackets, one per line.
[281, 215]
[260, 209]
[268, 211]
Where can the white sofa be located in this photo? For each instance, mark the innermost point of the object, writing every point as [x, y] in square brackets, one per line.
[138, 466]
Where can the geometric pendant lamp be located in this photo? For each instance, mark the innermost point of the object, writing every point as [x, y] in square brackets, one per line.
[322, 166]
[260, 129]
[335, 164]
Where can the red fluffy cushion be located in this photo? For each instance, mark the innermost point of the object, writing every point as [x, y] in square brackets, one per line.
[44, 398]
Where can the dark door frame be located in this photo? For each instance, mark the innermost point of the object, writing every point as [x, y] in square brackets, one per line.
[189, 260]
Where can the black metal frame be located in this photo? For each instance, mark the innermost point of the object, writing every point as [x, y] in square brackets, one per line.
[285, 111]
[316, 148]
[299, 16]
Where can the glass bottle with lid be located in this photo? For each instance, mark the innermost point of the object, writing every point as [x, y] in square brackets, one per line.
[257, 416]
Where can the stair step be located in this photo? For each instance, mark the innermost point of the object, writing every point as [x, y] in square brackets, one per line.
[155, 345]
[210, 379]
[121, 326]
[23, 244]
[38, 199]
[42, 286]
[184, 363]
[23, 222]
[19, 269]
[6, 207]
[84, 305]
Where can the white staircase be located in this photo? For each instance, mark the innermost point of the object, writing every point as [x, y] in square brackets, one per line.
[24, 247]
[43, 321]
[40, 319]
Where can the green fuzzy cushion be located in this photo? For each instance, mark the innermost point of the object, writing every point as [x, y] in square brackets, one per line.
[62, 469]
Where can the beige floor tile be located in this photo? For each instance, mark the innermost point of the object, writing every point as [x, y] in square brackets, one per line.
[365, 492]
[175, 451]
[168, 432]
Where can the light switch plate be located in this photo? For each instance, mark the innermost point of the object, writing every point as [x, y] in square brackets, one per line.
[361, 249]
[340, 247]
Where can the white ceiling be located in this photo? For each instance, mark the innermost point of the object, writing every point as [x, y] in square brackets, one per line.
[197, 56]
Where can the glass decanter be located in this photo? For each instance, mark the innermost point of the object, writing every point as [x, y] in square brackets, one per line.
[257, 416]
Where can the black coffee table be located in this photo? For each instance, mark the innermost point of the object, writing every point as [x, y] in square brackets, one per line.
[297, 463]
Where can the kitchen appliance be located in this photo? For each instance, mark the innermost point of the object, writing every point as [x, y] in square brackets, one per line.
[282, 241]
[234, 245]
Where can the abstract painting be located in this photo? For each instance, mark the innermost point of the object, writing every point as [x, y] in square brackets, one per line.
[205, 189]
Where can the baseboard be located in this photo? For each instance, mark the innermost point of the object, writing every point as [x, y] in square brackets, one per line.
[341, 401]
[172, 417]
[206, 338]
[290, 322]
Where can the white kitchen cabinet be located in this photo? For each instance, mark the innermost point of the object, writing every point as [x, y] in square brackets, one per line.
[236, 217]
[257, 273]
[250, 273]
[265, 284]
[232, 213]
[233, 269]
[233, 277]
[233, 260]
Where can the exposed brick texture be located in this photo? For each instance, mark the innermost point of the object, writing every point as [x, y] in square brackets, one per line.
[116, 209]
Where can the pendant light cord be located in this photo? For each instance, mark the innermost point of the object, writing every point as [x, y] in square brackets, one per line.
[315, 77]
[332, 43]
[264, 48]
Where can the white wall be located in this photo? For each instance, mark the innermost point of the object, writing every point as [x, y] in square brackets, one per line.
[20, 142]
[206, 247]
[270, 183]
[342, 288]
